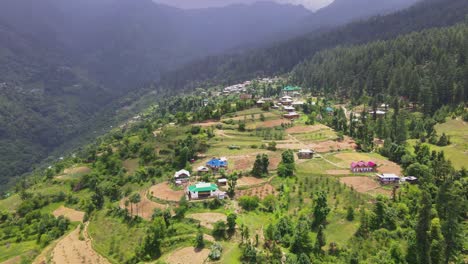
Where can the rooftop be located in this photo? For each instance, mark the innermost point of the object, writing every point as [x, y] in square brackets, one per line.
[203, 187]
[291, 88]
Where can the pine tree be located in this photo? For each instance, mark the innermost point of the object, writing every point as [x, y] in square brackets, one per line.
[321, 210]
[423, 244]
[437, 243]
[320, 241]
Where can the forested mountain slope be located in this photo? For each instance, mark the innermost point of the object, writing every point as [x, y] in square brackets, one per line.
[281, 58]
[428, 68]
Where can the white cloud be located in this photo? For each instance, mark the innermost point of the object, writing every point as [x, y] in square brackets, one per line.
[311, 4]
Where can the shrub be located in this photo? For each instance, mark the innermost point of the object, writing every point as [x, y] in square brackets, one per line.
[216, 250]
[249, 203]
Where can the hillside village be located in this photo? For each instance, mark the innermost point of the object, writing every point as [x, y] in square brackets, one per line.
[216, 189]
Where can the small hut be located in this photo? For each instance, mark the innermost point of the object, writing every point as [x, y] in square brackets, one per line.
[305, 154]
[388, 178]
[181, 176]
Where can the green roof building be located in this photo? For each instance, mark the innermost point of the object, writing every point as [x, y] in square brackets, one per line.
[204, 190]
[291, 90]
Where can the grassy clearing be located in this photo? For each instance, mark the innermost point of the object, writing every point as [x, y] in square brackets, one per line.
[231, 253]
[10, 203]
[9, 251]
[457, 151]
[106, 231]
[340, 230]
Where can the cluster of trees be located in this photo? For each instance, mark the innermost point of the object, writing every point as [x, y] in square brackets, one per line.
[30, 224]
[287, 165]
[260, 167]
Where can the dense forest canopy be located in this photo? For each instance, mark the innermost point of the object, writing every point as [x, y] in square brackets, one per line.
[426, 68]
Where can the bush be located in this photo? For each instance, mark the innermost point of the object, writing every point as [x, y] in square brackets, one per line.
[199, 242]
[249, 203]
[219, 229]
[216, 250]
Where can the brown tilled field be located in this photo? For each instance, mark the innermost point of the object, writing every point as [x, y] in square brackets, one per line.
[73, 215]
[249, 181]
[364, 185]
[208, 219]
[306, 129]
[273, 123]
[330, 145]
[188, 255]
[260, 191]
[145, 208]
[72, 250]
[246, 162]
[338, 172]
[163, 191]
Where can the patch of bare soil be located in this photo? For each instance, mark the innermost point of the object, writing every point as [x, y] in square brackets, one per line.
[77, 170]
[73, 215]
[273, 123]
[163, 191]
[364, 185]
[14, 260]
[259, 191]
[246, 162]
[338, 172]
[131, 165]
[188, 255]
[306, 129]
[144, 208]
[82, 170]
[208, 219]
[207, 123]
[72, 250]
[326, 146]
[248, 181]
[221, 133]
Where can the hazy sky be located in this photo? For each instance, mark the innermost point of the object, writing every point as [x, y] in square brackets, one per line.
[311, 4]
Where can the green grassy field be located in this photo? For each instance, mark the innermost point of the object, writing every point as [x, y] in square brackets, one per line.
[457, 151]
[107, 231]
[11, 250]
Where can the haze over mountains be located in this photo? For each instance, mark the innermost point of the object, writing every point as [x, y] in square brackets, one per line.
[71, 60]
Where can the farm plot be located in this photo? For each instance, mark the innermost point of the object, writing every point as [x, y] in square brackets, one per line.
[259, 191]
[364, 185]
[188, 255]
[163, 191]
[249, 181]
[73, 215]
[144, 208]
[300, 129]
[208, 219]
[74, 172]
[71, 250]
